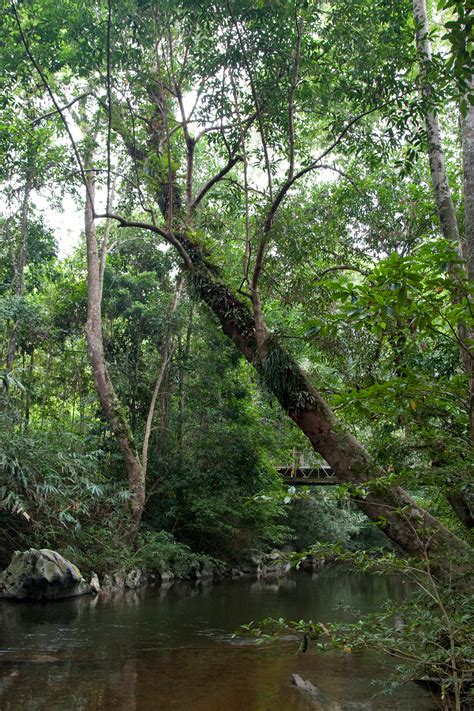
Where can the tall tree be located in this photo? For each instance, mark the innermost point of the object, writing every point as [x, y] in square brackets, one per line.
[461, 237]
[264, 94]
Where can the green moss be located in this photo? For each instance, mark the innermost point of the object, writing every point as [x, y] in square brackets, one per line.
[282, 376]
[221, 300]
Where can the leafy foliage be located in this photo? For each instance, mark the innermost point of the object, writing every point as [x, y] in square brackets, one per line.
[434, 611]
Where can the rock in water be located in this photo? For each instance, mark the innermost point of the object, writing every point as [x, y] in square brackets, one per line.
[306, 686]
[41, 575]
[319, 702]
[94, 583]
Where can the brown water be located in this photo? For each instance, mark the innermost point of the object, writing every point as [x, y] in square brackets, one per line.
[172, 648]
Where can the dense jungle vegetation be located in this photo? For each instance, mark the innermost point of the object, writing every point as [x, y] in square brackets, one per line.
[274, 209]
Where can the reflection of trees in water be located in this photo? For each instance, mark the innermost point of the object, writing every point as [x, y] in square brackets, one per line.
[363, 592]
[143, 649]
[273, 584]
[122, 692]
[47, 683]
[201, 679]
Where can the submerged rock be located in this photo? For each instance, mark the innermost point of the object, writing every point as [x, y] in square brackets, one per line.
[41, 575]
[318, 699]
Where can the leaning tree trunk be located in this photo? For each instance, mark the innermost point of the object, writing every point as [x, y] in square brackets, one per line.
[107, 397]
[412, 528]
[460, 500]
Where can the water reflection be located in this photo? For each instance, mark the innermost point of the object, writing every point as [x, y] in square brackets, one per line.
[172, 648]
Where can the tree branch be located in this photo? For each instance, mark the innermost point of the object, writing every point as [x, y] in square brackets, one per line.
[248, 244]
[61, 109]
[203, 192]
[255, 100]
[316, 163]
[168, 236]
[291, 100]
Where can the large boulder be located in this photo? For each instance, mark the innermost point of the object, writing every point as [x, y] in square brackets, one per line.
[41, 575]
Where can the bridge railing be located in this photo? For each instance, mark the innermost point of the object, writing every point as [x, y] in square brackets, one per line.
[322, 474]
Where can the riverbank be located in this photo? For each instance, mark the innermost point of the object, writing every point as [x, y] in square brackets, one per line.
[269, 565]
[43, 574]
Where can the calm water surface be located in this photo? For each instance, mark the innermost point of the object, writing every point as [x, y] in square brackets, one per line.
[172, 648]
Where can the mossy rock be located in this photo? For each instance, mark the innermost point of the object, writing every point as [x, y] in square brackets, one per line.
[41, 575]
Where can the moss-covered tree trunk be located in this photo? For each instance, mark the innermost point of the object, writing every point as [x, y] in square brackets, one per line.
[408, 525]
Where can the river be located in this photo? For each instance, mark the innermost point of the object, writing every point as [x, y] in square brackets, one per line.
[172, 648]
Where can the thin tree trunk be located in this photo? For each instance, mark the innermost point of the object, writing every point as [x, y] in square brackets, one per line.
[465, 500]
[20, 269]
[165, 404]
[45, 386]
[467, 139]
[5, 335]
[166, 353]
[26, 417]
[182, 379]
[105, 390]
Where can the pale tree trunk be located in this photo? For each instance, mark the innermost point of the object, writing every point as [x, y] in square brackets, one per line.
[166, 353]
[460, 500]
[20, 269]
[108, 399]
[26, 415]
[439, 178]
